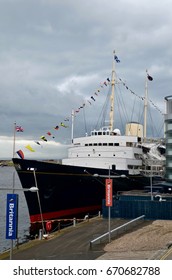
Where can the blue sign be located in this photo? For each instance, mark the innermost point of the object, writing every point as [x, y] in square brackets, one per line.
[12, 216]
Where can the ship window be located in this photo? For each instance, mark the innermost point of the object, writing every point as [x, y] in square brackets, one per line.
[137, 156]
[104, 144]
[116, 144]
[129, 144]
[100, 133]
[88, 155]
[114, 155]
[99, 144]
[90, 144]
[133, 167]
[113, 167]
[99, 155]
[86, 144]
[110, 144]
[95, 144]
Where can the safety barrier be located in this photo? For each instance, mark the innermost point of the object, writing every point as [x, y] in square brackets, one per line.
[118, 230]
[58, 224]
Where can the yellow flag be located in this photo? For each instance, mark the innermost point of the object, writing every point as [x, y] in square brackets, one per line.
[29, 148]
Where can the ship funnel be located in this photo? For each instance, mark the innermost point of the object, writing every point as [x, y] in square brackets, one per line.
[134, 129]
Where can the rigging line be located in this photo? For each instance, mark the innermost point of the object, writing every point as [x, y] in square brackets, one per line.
[142, 115]
[123, 112]
[106, 106]
[138, 114]
[103, 112]
[153, 126]
[132, 111]
[123, 103]
[85, 120]
[142, 98]
[151, 119]
[122, 120]
[141, 112]
[149, 102]
[161, 129]
[105, 109]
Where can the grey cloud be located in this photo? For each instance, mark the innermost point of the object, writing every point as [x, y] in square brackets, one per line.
[54, 54]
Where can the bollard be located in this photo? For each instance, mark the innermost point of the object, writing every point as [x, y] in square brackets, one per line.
[86, 217]
[74, 222]
[59, 226]
[17, 243]
[40, 234]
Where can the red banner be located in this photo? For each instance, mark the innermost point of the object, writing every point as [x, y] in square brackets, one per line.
[108, 192]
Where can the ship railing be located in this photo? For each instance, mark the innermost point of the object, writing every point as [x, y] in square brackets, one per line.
[155, 140]
[151, 173]
[154, 162]
[153, 169]
[115, 232]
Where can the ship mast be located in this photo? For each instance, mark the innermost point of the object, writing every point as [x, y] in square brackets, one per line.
[72, 129]
[111, 116]
[145, 109]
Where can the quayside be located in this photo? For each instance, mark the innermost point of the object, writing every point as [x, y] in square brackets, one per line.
[76, 186]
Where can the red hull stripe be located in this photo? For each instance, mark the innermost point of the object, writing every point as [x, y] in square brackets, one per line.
[64, 213]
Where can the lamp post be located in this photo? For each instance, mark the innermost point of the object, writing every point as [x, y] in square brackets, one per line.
[40, 209]
[36, 187]
[109, 195]
[32, 189]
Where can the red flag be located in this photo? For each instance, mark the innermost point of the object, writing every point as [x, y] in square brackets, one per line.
[20, 154]
[19, 128]
[56, 127]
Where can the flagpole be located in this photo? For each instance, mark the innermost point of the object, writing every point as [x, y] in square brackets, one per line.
[13, 186]
[14, 139]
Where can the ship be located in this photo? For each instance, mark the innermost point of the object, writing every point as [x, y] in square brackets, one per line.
[75, 187]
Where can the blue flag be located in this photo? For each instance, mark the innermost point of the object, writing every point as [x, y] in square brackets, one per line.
[150, 78]
[116, 58]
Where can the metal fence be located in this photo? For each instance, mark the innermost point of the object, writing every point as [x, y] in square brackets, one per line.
[119, 230]
[130, 207]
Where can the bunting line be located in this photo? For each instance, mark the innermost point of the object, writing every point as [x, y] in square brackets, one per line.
[142, 98]
[91, 100]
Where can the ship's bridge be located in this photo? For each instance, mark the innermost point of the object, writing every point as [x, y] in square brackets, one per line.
[104, 148]
[105, 131]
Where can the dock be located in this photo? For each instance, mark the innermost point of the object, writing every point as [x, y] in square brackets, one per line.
[70, 243]
[141, 242]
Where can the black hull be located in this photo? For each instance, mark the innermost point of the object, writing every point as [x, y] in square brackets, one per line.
[68, 191]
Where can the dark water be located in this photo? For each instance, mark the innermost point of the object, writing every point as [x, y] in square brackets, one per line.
[6, 181]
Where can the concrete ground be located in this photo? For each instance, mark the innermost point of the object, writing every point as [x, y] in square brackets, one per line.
[73, 243]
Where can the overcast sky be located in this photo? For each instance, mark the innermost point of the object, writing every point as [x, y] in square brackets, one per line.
[55, 53]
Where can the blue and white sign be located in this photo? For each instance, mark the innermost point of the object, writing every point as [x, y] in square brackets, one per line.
[12, 216]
